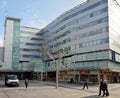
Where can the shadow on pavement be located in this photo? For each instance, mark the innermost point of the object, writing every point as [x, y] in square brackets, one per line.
[92, 96]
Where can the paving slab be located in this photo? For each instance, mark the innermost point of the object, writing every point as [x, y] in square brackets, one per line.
[52, 92]
[39, 89]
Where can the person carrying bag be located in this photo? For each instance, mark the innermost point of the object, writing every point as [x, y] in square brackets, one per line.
[105, 89]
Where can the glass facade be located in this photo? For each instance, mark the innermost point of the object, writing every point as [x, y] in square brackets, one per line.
[29, 44]
[94, 43]
[59, 33]
[85, 38]
[93, 32]
[81, 11]
[15, 48]
[88, 60]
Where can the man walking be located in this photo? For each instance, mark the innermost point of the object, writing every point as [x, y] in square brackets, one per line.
[100, 87]
[85, 84]
[105, 89]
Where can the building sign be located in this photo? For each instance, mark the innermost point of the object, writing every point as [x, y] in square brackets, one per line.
[85, 72]
[15, 48]
[105, 72]
[63, 72]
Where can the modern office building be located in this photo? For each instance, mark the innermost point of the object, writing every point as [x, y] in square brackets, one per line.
[29, 45]
[84, 42]
[21, 46]
[11, 44]
[87, 38]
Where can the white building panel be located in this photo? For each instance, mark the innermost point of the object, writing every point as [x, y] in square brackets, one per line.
[8, 45]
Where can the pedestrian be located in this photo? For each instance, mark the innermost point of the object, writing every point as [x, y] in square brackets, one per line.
[105, 89]
[100, 87]
[85, 83]
[71, 80]
[26, 82]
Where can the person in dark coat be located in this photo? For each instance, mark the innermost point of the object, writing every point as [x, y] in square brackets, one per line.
[100, 87]
[71, 80]
[85, 84]
[26, 82]
[105, 89]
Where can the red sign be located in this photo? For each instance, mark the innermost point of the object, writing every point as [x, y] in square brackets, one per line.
[105, 72]
[85, 72]
[63, 72]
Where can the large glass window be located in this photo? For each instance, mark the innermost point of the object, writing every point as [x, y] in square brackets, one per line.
[94, 32]
[93, 23]
[83, 18]
[32, 44]
[94, 42]
[93, 56]
[31, 56]
[79, 12]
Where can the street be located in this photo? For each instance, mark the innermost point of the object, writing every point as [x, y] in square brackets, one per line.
[41, 89]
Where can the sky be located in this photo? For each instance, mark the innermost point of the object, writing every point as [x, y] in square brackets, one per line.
[34, 13]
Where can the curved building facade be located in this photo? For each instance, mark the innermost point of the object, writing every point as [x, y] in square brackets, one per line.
[84, 42]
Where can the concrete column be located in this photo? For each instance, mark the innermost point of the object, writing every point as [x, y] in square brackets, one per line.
[41, 76]
[22, 76]
[105, 77]
[79, 78]
[46, 76]
[63, 77]
[98, 76]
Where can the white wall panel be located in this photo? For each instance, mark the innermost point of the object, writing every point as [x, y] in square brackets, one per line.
[8, 45]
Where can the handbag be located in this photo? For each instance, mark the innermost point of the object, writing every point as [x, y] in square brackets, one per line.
[107, 93]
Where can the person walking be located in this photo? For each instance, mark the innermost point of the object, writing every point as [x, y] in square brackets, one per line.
[105, 89]
[26, 82]
[100, 87]
[85, 84]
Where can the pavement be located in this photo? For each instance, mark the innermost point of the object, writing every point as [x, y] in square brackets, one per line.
[41, 89]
